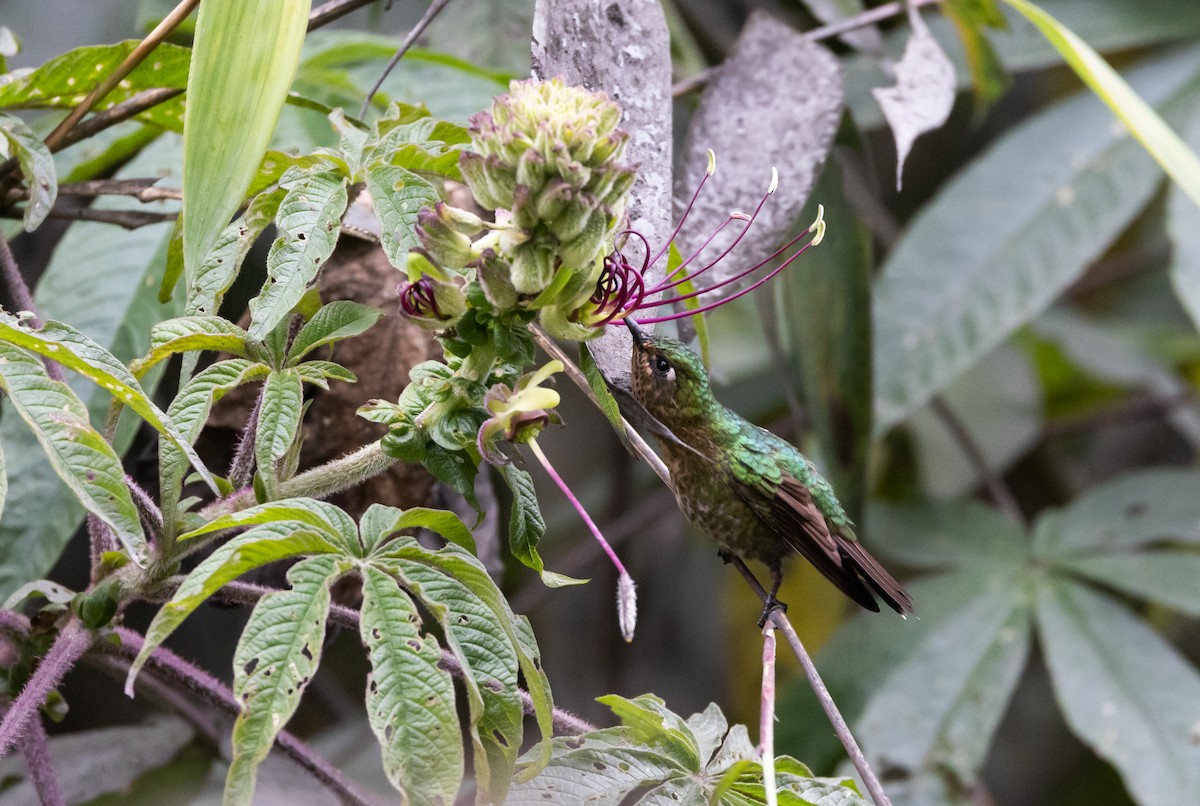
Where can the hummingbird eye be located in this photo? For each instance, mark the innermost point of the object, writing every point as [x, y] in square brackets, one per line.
[662, 367]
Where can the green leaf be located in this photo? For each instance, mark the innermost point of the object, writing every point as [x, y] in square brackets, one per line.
[191, 333]
[1167, 576]
[221, 265]
[1124, 691]
[398, 195]
[276, 658]
[278, 422]
[255, 547]
[309, 221]
[826, 298]
[77, 452]
[75, 351]
[321, 372]
[1127, 513]
[333, 322]
[939, 709]
[604, 397]
[490, 665]
[525, 523]
[3, 481]
[331, 522]
[600, 767]
[1152, 131]
[245, 53]
[64, 81]
[425, 145]
[36, 164]
[410, 697]
[1003, 238]
[674, 260]
[960, 534]
[189, 411]
[651, 723]
[386, 521]
[454, 468]
[987, 73]
[1183, 225]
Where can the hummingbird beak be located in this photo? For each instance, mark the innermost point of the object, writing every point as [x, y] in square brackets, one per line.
[639, 337]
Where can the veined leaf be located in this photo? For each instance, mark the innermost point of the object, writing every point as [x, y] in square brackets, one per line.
[277, 656]
[189, 410]
[386, 521]
[221, 265]
[331, 522]
[36, 164]
[425, 145]
[64, 81]
[1004, 237]
[255, 547]
[410, 697]
[1154, 133]
[338, 320]
[1167, 576]
[959, 534]
[525, 524]
[309, 219]
[398, 195]
[3, 481]
[651, 723]
[72, 349]
[604, 397]
[1124, 691]
[1183, 225]
[278, 422]
[321, 372]
[77, 452]
[244, 56]
[188, 333]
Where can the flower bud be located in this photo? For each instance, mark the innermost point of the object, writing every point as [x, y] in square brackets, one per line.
[532, 268]
[443, 243]
[432, 304]
[493, 274]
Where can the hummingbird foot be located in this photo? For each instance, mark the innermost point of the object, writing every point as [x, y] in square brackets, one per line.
[771, 604]
[725, 555]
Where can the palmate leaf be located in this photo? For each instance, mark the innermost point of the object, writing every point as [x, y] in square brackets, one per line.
[309, 220]
[425, 145]
[380, 522]
[1124, 690]
[76, 451]
[265, 543]
[1166, 576]
[1004, 237]
[410, 697]
[398, 195]
[36, 164]
[336, 321]
[277, 656]
[331, 522]
[75, 351]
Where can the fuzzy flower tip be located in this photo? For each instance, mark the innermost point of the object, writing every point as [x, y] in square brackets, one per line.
[622, 290]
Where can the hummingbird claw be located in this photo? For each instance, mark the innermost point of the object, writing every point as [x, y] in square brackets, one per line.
[771, 604]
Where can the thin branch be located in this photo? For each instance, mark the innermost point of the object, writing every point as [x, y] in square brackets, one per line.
[15, 281]
[143, 189]
[328, 12]
[997, 490]
[41, 767]
[780, 621]
[127, 219]
[174, 668]
[131, 107]
[429, 16]
[68, 647]
[766, 716]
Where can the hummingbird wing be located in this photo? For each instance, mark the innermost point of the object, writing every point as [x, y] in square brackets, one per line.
[785, 504]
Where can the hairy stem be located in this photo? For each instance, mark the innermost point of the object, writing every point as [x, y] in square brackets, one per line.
[68, 647]
[41, 767]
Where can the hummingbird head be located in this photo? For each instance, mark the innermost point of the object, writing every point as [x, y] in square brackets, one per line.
[668, 378]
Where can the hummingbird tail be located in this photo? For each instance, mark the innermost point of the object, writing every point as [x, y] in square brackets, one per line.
[883, 583]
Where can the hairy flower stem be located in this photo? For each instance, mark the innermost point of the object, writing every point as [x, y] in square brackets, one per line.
[68, 647]
[41, 767]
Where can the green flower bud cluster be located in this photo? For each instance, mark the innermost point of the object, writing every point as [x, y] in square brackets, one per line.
[545, 159]
[437, 408]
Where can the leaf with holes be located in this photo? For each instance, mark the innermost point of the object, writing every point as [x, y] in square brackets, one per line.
[309, 220]
[398, 195]
[276, 658]
[255, 547]
[338, 320]
[36, 164]
[221, 265]
[410, 697]
[76, 451]
[75, 351]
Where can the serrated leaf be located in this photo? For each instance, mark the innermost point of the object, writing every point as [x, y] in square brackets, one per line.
[425, 145]
[1008, 234]
[276, 658]
[36, 164]
[1124, 514]
[1166, 576]
[454, 468]
[1124, 691]
[398, 195]
[189, 410]
[309, 220]
[386, 521]
[75, 351]
[255, 547]
[651, 723]
[924, 93]
[525, 523]
[410, 698]
[64, 81]
[945, 534]
[221, 265]
[1153, 131]
[947, 699]
[191, 333]
[240, 73]
[489, 662]
[321, 372]
[600, 767]
[278, 422]
[333, 322]
[76, 451]
[328, 520]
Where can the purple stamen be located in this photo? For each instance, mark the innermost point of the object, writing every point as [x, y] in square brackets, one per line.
[418, 300]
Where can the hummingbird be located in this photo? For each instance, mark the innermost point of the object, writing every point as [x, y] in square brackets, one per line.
[750, 490]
